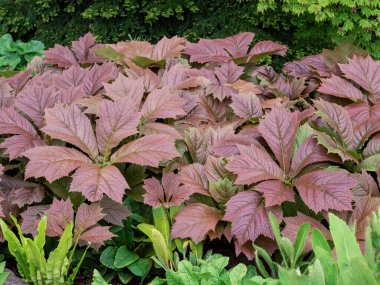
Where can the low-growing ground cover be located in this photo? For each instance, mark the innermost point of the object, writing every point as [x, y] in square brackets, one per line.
[152, 154]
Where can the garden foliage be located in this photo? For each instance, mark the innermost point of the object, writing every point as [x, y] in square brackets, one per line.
[291, 22]
[14, 55]
[202, 133]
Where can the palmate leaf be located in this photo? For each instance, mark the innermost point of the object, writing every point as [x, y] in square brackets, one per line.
[114, 212]
[163, 103]
[365, 72]
[249, 216]
[61, 56]
[93, 181]
[309, 152]
[195, 221]
[232, 48]
[338, 119]
[33, 100]
[253, 165]
[124, 86]
[170, 193]
[145, 54]
[246, 106]
[194, 177]
[324, 190]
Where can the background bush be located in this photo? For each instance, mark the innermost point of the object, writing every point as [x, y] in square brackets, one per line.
[61, 21]
[305, 26]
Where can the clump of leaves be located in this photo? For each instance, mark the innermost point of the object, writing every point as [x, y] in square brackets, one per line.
[30, 255]
[14, 55]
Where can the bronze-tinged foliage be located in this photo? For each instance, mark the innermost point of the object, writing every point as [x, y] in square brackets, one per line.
[198, 128]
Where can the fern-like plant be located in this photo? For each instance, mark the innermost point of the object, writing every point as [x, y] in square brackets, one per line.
[30, 255]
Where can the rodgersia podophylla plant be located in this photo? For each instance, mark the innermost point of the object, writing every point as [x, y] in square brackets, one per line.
[199, 126]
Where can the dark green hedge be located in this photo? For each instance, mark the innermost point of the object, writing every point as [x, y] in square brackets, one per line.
[61, 21]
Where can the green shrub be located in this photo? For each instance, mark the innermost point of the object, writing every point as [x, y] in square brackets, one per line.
[150, 20]
[355, 20]
[14, 55]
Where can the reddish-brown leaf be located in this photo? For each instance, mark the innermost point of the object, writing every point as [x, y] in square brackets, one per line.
[195, 221]
[324, 190]
[148, 150]
[279, 129]
[53, 162]
[253, 165]
[61, 56]
[93, 181]
[249, 216]
[275, 192]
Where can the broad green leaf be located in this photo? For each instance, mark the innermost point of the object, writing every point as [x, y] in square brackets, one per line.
[316, 274]
[371, 163]
[141, 267]
[291, 277]
[124, 277]
[237, 274]
[175, 278]
[346, 246]
[124, 257]
[161, 222]
[361, 273]
[107, 258]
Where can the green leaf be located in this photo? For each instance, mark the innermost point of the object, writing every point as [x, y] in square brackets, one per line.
[141, 267]
[350, 260]
[175, 278]
[361, 273]
[316, 274]
[222, 190]
[57, 264]
[40, 238]
[291, 277]
[159, 244]
[15, 248]
[124, 277]
[109, 53]
[124, 257]
[371, 163]
[107, 258]
[135, 174]
[299, 244]
[303, 133]
[237, 273]
[260, 252]
[161, 222]
[145, 62]
[324, 254]
[98, 279]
